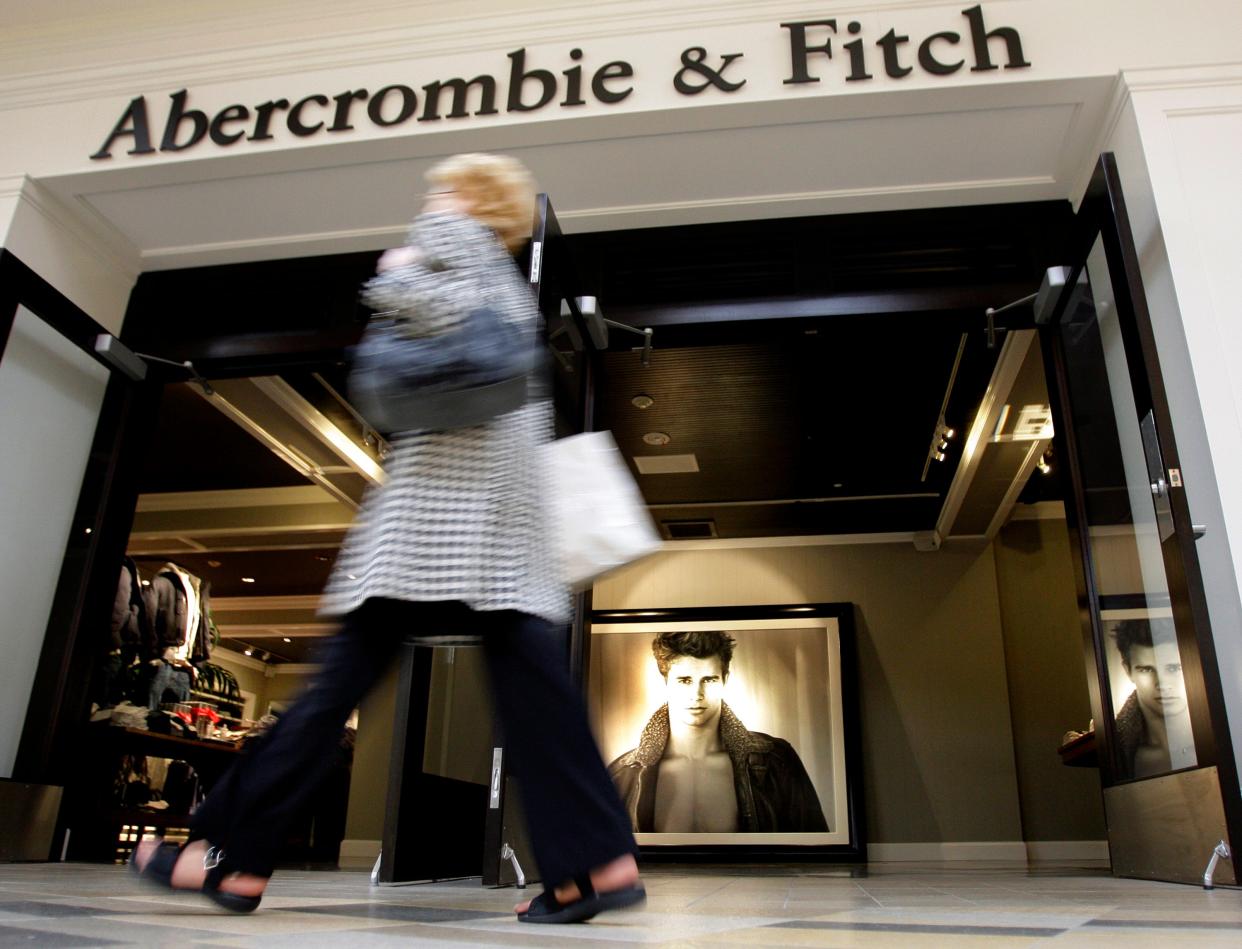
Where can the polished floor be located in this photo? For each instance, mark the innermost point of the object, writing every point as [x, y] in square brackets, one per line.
[65, 905]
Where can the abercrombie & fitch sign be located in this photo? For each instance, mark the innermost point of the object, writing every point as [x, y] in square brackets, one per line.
[826, 49]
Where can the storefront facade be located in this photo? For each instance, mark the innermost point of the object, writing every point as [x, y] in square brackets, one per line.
[145, 141]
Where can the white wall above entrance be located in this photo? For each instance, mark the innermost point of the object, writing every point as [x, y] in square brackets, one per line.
[918, 149]
[902, 132]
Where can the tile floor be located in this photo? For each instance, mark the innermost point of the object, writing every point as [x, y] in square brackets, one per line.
[67, 905]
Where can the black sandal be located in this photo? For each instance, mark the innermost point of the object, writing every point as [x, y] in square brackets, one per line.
[546, 908]
[159, 871]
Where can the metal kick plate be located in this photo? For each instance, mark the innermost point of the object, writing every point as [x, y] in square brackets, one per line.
[1165, 828]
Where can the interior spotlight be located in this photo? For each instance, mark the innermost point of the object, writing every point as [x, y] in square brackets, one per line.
[944, 443]
[248, 652]
[938, 455]
[1045, 466]
[948, 433]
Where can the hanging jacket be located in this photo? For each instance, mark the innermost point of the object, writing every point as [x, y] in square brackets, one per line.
[130, 624]
[167, 605]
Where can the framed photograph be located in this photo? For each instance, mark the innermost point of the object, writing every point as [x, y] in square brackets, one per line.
[1147, 692]
[731, 727]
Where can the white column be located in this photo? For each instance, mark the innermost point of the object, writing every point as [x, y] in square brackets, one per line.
[1189, 124]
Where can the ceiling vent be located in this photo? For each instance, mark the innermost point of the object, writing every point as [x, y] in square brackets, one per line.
[689, 530]
[666, 464]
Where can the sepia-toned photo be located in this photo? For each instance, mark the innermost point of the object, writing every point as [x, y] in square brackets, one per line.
[1150, 712]
[724, 731]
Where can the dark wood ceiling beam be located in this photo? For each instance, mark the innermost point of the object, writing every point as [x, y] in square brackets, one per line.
[875, 303]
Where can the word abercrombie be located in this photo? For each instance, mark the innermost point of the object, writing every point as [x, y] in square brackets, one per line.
[530, 89]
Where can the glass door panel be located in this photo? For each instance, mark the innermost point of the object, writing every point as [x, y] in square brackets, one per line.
[1126, 521]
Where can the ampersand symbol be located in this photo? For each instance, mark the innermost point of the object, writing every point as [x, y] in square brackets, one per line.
[694, 60]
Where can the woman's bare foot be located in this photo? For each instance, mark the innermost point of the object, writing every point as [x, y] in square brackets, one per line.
[617, 875]
[189, 872]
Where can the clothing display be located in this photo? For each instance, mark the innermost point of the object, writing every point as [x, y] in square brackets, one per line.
[464, 513]
[168, 679]
[179, 607]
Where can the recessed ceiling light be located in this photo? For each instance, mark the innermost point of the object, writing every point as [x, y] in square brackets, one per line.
[657, 438]
[247, 579]
[287, 639]
[351, 576]
[838, 484]
[213, 563]
[248, 652]
[642, 401]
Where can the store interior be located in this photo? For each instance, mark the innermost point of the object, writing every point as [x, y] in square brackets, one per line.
[823, 416]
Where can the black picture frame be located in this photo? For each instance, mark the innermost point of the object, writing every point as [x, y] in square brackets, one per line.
[833, 623]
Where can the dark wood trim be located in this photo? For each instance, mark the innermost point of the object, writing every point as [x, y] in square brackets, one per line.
[928, 300]
[1066, 448]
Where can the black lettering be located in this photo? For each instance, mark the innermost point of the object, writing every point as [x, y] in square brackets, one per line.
[929, 62]
[133, 122]
[177, 113]
[605, 74]
[799, 49]
[518, 77]
[892, 65]
[344, 101]
[232, 113]
[858, 56]
[980, 36]
[461, 91]
[263, 118]
[409, 103]
[294, 120]
[573, 81]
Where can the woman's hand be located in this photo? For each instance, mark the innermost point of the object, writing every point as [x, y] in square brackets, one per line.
[398, 257]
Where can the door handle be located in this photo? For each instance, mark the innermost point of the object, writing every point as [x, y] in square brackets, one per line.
[1159, 488]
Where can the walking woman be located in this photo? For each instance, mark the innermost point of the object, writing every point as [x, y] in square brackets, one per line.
[455, 542]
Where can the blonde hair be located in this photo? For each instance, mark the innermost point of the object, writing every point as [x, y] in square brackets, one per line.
[496, 190]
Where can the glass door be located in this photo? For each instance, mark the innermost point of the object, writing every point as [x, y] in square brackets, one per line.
[1163, 738]
[66, 385]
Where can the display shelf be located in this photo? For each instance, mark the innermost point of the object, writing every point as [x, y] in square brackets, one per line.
[218, 699]
[1080, 753]
[157, 745]
[97, 821]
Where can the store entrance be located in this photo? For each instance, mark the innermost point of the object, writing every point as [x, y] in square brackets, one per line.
[818, 412]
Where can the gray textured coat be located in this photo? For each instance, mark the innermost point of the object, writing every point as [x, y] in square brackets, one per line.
[463, 514]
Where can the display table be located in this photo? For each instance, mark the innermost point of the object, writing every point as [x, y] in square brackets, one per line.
[101, 828]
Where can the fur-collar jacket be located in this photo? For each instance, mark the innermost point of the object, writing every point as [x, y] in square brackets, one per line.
[774, 792]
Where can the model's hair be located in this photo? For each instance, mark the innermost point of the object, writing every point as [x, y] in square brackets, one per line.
[496, 190]
[669, 646]
[1129, 633]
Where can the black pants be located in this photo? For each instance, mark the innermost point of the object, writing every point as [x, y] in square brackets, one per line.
[575, 817]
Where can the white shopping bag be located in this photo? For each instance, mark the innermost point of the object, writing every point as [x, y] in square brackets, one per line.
[600, 521]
